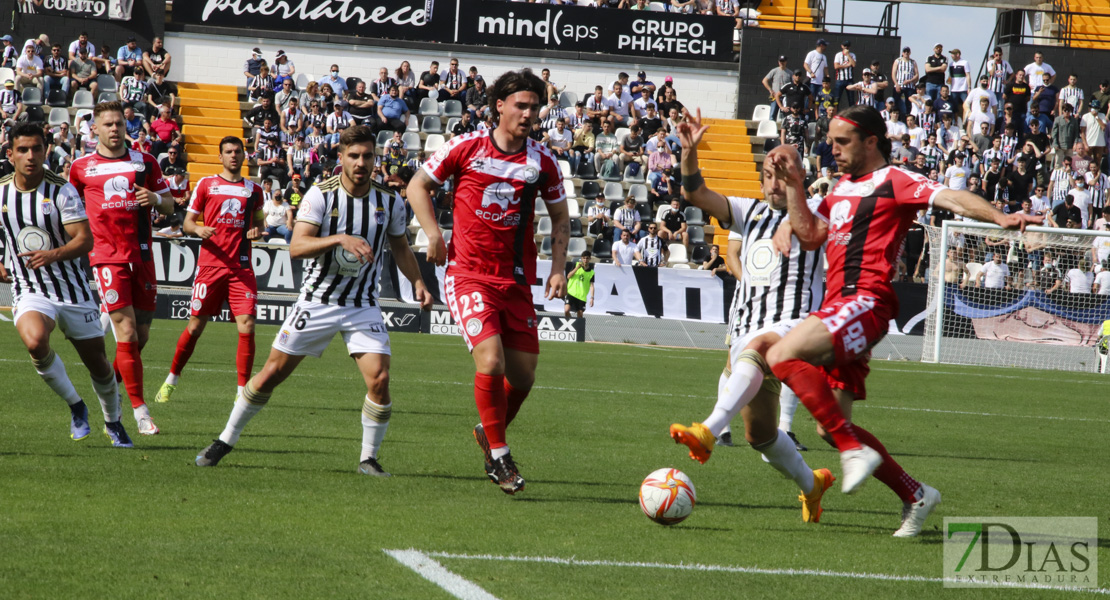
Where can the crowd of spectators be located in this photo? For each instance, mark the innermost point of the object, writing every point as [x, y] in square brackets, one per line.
[1026, 139]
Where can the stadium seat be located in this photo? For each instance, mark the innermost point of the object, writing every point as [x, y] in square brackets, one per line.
[35, 114]
[452, 108]
[57, 98]
[694, 216]
[108, 97]
[383, 136]
[696, 234]
[699, 253]
[413, 125]
[568, 186]
[586, 170]
[811, 131]
[447, 236]
[639, 191]
[431, 124]
[541, 208]
[564, 166]
[614, 191]
[622, 133]
[351, 83]
[446, 219]
[421, 241]
[32, 96]
[681, 266]
[603, 249]
[6, 74]
[572, 208]
[657, 7]
[806, 166]
[162, 156]
[83, 99]
[58, 116]
[568, 99]
[767, 129]
[106, 83]
[590, 190]
[614, 178]
[576, 247]
[81, 114]
[451, 125]
[302, 80]
[433, 143]
[762, 112]
[645, 213]
[973, 270]
[678, 254]
[576, 229]
[543, 227]
[412, 141]
[545, 246]
[428, 107]
[630, 178]
[660, 210]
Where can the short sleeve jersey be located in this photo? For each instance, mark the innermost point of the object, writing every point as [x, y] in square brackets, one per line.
[229, 206]
[120, 226]
[495, 202]
[868, 219]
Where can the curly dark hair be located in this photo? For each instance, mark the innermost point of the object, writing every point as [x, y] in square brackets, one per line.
[511, 82]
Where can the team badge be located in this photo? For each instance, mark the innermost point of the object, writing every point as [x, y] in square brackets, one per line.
[283, 336]
[138, 165]
[47, 207]
[474, 326]
[111, 297]
[531, 174]
[196, 304]
[380, 216]
[866, 189]
[531, 323]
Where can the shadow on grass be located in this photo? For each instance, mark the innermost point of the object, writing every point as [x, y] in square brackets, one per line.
[965, 457]
[797, 508]
[40, 454]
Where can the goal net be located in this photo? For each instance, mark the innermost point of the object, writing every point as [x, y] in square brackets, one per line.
[1003, 298]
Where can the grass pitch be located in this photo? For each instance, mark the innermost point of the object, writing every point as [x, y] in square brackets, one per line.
[286, 516]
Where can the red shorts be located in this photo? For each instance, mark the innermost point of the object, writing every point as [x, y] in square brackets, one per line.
[483, 309]
[213, 285]
[126, 284]
[856, 323]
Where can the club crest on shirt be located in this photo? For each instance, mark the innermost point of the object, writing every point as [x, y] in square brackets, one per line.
[138, 165]
[47, 207]
[841, 214]
[531, 174]
[379, 216]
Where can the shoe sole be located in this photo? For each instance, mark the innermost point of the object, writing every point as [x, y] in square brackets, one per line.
[373, 473]
[511, 490]
[846, 489]
[699, 454]
[918, 532]
[74, 437]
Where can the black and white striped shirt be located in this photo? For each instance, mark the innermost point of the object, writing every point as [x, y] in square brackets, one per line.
[651, 251]
[553, 115]
[1062, 178]
[381, 88]
[772, 288]
[844, 74]
[132, 89]
[336, 277]
[36, 220]
[904, 72]
[1098, 188]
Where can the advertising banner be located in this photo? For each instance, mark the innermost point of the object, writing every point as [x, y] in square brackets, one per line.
[116, 10]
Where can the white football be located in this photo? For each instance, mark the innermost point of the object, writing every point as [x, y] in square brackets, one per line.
[667, 496]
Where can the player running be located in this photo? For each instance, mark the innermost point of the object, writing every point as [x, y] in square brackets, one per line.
[773, 295]
[864, 219]
[120, 186]
[45, 234]
[491, 261]
[343, 224]
[231, 206]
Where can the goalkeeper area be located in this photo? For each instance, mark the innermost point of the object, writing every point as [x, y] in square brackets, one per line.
[286, 516]
[1038, 299]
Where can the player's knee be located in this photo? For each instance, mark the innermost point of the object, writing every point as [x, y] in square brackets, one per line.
[378, 385]
[776, 354]
[38, 346]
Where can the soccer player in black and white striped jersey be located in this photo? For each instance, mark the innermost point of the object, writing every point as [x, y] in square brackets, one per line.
[46, 232]
[775, 294]
[343, 225]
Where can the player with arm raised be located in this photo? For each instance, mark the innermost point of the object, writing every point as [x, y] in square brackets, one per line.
[864, 220]
[120, 187]
[45, 234]
[491, 262]
[231, 208]
[343, 225]
[775, 292]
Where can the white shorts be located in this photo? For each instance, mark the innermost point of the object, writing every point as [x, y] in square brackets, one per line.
[78, 321]
[737, 344]
[310, 327]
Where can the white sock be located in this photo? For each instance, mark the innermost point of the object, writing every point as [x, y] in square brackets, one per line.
[53, 372]
[738, 391]
[375, 422]
[107, 392]
[788, 405]
[239, 391]
[141, 411]
[172, 379]
[783, 456]
[497, 453]
[106, 324]
[241, 414]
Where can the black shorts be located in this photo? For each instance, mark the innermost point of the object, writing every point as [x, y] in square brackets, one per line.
[575, 304]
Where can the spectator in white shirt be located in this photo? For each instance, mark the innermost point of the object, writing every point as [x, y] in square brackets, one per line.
[28, 69]
[1035, 71]
[817, 67]
[895, 129]
[559, 140]
[1077, 281]
[621, 112]
[994, 275]
[1101, 285]
[624, 251]
[955, 177]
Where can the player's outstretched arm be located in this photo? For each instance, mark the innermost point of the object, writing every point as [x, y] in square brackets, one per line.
[80, 243]
[556, 286]
[419, 195]
[697, 193]
[969, 205]
[406, 262]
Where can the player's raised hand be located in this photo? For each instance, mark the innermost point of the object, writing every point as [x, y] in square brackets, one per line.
[437, 250]
[1020, 221]
[691, 131]
[38, 259]
[254, 233]
[357, 246]
[422, 295]
[4, 277]
[556, 286]
[786, 165]
[204, 232]
[146, 197]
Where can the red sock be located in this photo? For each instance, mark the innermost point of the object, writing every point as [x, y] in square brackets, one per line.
[185, 345]
[889, 472]
[515, 398]
[115, 367]
[809, 383]
[244, 357]
[489, 395]
[130, 366]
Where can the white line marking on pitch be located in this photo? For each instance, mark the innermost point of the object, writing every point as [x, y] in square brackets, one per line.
[745, 570]
[983, 414]
[437, 574]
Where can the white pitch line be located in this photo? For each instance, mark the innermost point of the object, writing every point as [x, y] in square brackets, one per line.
[746, 570]
[983, 414]
[437, 574]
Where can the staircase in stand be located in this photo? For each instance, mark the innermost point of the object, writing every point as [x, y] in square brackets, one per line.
[781, 14]
[209, 113]
[729, 166]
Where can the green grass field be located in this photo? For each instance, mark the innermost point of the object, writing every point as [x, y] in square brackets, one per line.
[286, 515]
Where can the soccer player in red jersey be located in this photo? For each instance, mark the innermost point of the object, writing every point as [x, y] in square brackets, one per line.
[120, 187]
[864, 221]
[491, 261]
[231, 206]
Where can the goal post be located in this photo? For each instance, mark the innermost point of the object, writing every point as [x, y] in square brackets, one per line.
[1007, 298]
